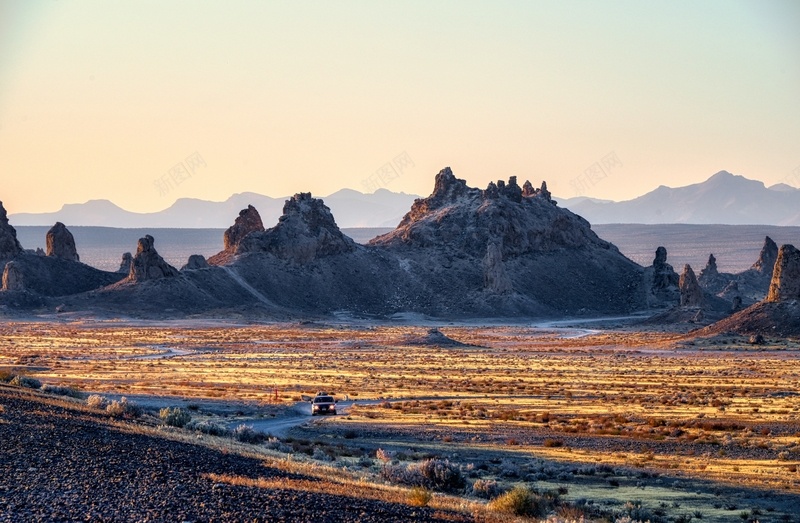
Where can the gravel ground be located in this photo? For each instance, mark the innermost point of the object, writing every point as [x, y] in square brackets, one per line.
[60, 464]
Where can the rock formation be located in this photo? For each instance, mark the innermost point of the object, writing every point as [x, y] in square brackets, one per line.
[196, 261]
[495, 278]
[125, 264]
[148, 264]
[691, 292]
[766, 259]
[13, 280]
[306, 231]
[9, 245]
[785, 284]
[662, 281]
[248, 221]
[60, 243]
[711, 280]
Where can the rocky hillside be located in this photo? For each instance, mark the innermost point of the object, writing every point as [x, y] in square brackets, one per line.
[779, 313]
[462, 252]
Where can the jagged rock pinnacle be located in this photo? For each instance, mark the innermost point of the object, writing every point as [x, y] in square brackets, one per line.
[691, 292]
[148, 264]
[248, 221]
[785, 284]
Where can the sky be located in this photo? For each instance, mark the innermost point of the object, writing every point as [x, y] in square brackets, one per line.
[144, 102]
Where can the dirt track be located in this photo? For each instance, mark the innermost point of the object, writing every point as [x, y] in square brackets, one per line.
[60, 464]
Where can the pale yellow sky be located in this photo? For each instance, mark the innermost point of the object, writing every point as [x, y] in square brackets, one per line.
[109, 100]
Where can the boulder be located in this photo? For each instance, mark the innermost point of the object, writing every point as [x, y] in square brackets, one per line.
[785, 284]
[9, 245]
[248, 221]
[196, 262]
[60, 243]
[691, 292]
[148, 264]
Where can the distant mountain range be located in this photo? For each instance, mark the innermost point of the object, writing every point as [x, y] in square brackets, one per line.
[351, 208]
[724, 198]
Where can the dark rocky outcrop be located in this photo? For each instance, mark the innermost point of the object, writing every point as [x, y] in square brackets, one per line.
[148, 264]
[691, 292]
[785, 285]
[125, 264]
[248, 221]
[767, 258]
[196, 262]
[495, 278]
[661, 281]
[306, 231]
[779, 313]
[13, 280]
[61, 243]
[9, 245]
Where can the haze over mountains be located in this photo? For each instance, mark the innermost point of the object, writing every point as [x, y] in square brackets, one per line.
[724, 198]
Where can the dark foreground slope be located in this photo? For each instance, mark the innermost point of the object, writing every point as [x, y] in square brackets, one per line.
[61, 464]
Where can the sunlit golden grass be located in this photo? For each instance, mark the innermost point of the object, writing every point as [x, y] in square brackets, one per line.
[717, 408]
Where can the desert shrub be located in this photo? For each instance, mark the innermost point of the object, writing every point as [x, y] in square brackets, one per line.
[25, 381]
[247, 434]
[208, 427]
[6, 376]
[71, 392]
[519, 501]
[174, 417]
[320, 455]
[432, 473]
[550, 443]
[419, 497]
[442, 475]
[96, 401]
[486, 489]
[123, 409]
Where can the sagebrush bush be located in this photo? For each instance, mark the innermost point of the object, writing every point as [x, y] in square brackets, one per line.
[208, 427]
[96, 401]
[72, 392]
[247, 434]
[486, 488]
[174, 417]
[432, 473]
[519, 501]
[419, 497]
[25, 381]
[123, 409]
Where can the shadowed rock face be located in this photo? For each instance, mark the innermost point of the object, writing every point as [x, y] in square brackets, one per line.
[9, 245]
[661, 281]
[125, 264]
[13, 279]
[691, 292]
[306, 231]
[148, 264]
[196, 261]
[495, 278]
[766, 259]
[60, 243]
[785, 285]
[467, 220]
[248, 221]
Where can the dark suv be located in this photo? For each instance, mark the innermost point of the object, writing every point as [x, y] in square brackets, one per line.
[323, 404]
